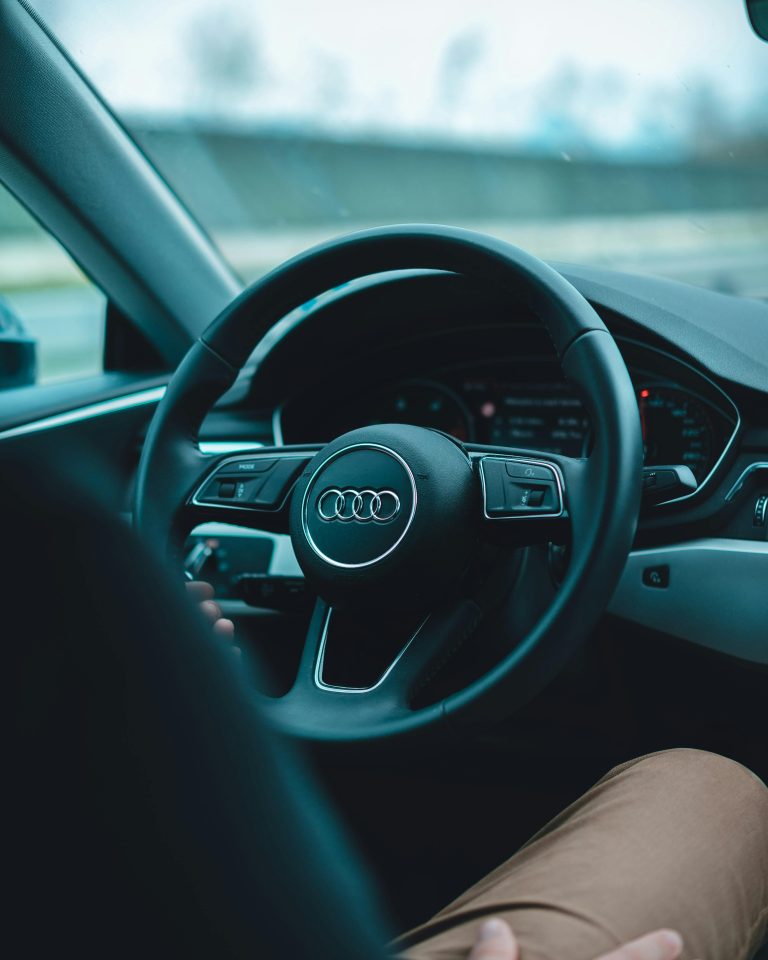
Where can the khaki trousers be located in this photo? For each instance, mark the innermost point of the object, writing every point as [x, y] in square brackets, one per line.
[675, 839]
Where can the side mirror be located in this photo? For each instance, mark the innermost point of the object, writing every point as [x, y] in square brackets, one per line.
[18, 351]
[757, 11]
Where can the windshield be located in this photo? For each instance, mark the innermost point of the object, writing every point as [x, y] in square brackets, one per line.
[632, 135]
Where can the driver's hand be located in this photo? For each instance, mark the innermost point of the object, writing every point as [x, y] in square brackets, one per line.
[202, 593]
[495, 941]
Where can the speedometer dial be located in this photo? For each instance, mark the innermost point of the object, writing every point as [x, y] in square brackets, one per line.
[676, 429]
[423, 403]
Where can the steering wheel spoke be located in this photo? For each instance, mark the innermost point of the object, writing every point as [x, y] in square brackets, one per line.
[437, 638]
[385, 699]
[345, 712]
[528, 496]
[250, 489]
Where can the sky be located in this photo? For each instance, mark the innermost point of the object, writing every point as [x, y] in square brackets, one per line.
[631, 76]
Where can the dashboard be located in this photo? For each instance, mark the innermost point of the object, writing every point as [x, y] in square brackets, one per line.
[438, 350]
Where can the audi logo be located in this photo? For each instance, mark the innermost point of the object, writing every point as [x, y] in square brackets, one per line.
[362, 505]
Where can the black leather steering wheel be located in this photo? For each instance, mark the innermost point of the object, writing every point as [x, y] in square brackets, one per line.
[389, 518]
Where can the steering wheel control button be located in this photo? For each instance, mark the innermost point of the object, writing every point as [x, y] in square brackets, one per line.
[358, 505]
[252, 466]
[256, 483]
[528, 471]
[518, 488]
[657, 577]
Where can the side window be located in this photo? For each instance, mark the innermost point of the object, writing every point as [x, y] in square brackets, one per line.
[51, 316]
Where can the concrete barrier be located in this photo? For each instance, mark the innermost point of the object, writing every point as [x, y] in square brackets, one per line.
[234, 180]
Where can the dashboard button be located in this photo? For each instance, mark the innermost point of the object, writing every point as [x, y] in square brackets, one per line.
[657, 576]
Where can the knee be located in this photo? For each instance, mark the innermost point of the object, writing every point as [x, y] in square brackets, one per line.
[703, 779]
[702, 765]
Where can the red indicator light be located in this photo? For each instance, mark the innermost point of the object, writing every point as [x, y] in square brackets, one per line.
[645, 394]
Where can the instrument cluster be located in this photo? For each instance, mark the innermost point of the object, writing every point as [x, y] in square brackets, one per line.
[533, 407]
[677, 426]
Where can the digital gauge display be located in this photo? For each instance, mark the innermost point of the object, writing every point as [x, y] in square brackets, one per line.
[546, 417]
[423, 403]
[678, 426]
[676, 429]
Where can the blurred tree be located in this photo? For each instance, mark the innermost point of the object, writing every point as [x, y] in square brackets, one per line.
[563, 105]
[225, 60]
[331, 85]
[461, 57]
[708, 120]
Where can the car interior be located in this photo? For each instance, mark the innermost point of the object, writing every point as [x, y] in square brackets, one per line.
[488, 519]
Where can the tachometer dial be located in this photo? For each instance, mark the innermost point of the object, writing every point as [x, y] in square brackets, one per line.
[423, 403]
[676, 429]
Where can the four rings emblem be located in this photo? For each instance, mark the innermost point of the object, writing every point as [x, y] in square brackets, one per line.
[361, 505]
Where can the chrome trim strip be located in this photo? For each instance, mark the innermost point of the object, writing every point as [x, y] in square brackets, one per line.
[716, 597]
[217, 447]
[103, 408]
[277, 426]
[333, 456]
[318, 675]
[536, 463]
[745, 475]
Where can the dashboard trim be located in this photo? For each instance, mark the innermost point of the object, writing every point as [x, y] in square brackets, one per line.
[283, 562]
[734, 572]
[745, 475]
[103, 408]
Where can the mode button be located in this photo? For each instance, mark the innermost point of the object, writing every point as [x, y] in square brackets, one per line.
[529, 471]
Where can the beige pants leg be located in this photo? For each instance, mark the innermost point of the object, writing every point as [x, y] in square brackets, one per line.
[675, 839]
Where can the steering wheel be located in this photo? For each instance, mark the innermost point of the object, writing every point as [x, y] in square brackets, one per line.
[387, 520]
